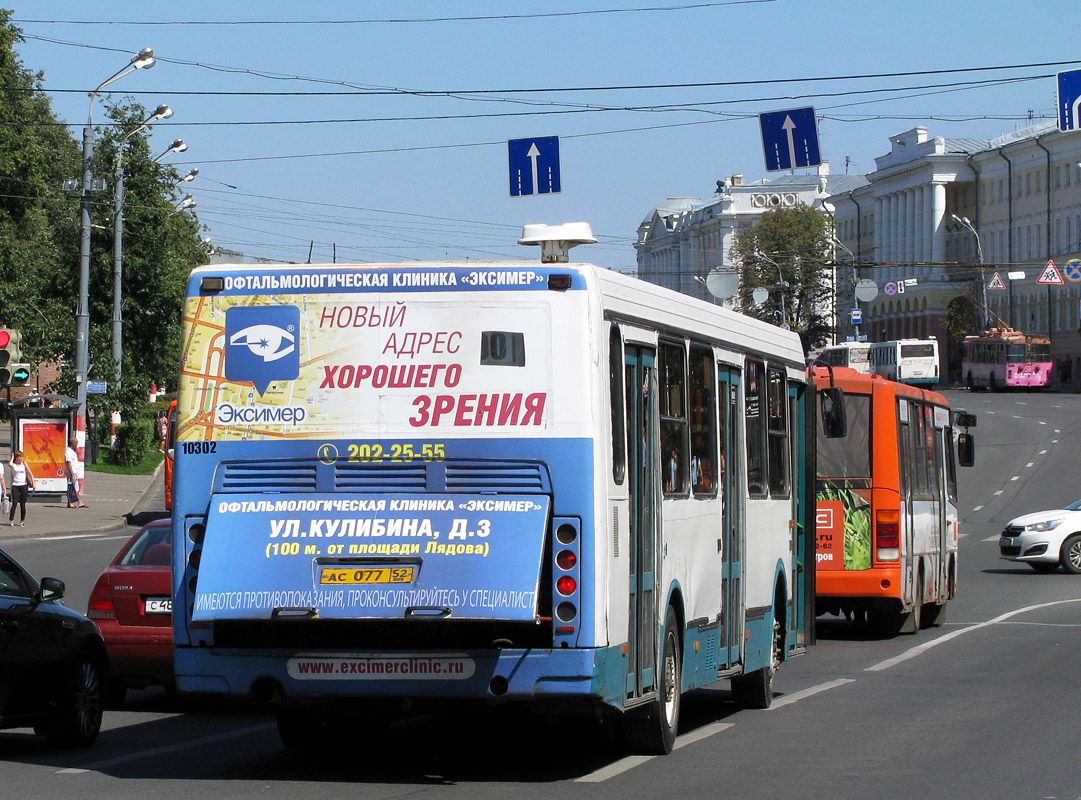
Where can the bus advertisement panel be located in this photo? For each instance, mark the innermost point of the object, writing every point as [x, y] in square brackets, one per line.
[510, 477]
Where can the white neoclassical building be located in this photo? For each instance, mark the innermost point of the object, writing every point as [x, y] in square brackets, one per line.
[938, 218]
[682, 240]
[945, 216]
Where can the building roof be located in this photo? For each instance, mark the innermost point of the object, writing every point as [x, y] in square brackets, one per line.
[673, 205]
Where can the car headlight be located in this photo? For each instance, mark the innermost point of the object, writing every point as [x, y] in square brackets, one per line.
[1046, 525]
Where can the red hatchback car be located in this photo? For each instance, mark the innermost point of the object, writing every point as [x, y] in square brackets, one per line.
[133, 607]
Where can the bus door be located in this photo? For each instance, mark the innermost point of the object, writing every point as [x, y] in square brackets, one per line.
[942, 542]
[643, 477]
[905, 433]
[731, 542]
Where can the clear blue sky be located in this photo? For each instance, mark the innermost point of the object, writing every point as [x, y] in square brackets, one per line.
[385, 189]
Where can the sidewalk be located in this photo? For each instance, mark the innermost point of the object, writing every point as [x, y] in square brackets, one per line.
[113, 502]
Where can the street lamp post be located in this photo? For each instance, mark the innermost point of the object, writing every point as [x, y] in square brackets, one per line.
[855, 279]
[780, 283]
[143, 59]
[161, 112]
[966, 223]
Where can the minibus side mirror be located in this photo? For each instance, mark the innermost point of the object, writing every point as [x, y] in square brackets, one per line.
[966, 449]
[834, 421]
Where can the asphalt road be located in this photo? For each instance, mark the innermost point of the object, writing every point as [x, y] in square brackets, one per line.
[984, 706]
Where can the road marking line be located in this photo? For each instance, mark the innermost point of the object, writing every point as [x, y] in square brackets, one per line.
[795, 697]
[702, 733]
[1015, 478]
[157, 751]
[618, 768]
[977, 508]
[1042, 422]
[1029, 464]
[1043, 452]
[998, 493]
[920, 649]
[630, 762]
[991, 538]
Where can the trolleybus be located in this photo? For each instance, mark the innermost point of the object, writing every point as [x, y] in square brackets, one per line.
[409, 487]
[1004, 358]
[887, 522]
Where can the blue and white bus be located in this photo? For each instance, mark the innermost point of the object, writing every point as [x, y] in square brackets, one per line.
[405, 487]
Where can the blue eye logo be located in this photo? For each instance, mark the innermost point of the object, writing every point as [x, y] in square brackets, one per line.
[261, 344]
[266, 341]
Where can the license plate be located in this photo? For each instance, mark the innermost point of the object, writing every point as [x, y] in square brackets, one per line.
[365, 575]
[158, 605]
[1005, 541]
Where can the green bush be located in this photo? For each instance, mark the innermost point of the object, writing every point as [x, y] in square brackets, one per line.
[133, 439]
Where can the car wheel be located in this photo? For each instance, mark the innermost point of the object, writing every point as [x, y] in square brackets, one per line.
[82, 706]
[1044, 567]
[1071, 554]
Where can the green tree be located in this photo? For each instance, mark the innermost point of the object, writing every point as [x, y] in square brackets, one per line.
[38, 223]
[39, 240]
[788, 253]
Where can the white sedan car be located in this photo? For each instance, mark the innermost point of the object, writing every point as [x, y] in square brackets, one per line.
[1045, 540]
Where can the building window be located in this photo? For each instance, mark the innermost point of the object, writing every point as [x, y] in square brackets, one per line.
[1000, 191]
[1028, 184]
[1037, 183]
[1058, 177]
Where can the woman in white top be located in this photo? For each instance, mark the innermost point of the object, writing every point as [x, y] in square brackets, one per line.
[22, 481]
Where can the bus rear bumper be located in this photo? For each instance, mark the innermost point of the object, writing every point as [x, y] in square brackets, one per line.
[561, 679]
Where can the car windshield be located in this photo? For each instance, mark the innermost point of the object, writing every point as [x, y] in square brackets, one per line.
[150, 548]
[1074, 506]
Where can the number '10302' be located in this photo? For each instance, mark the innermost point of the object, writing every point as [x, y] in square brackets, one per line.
[198, 448]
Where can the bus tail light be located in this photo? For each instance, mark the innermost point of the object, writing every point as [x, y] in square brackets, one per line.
[888, 535]
[101, 604]
[566, 585]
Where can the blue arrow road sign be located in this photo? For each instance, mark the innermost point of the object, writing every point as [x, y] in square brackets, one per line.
[790, 139]
[534, 166]
[1069, 100]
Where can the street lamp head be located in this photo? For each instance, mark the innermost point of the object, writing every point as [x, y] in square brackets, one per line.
[190, 176]
[144, 59]
[162, 112]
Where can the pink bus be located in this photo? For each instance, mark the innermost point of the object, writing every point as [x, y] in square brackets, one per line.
[1004, 358]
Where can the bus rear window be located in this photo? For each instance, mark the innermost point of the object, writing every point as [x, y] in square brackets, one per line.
[849, 457]
[917, 350]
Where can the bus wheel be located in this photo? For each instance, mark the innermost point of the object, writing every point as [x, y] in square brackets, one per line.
[654, 731]
[755, 690]
[972, 387]
[915, 617]
[933, 614]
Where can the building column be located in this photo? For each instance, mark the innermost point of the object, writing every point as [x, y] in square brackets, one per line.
[911, 230]
[879, 230]
[938, 227]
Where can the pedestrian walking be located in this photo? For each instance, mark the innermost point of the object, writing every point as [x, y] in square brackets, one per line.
[162, 433]
[22, 483]
[73, 470]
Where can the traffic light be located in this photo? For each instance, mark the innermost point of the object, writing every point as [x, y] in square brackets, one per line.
[10, 352]
[20, 374]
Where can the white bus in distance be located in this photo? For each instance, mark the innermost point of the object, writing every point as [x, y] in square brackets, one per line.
[911, 361]
[854, 355]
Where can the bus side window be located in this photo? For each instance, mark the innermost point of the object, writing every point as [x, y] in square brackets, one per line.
[703, 422]
[673, 399]
[777, 432]
[756, 456]
[615, 388]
